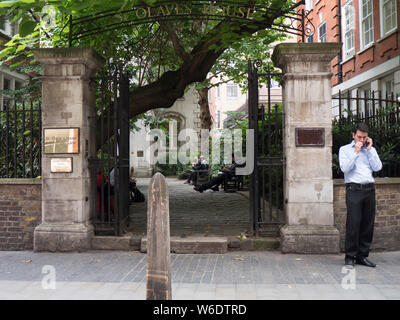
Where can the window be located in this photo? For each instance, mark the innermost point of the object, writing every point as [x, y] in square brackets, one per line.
[18, 85]
[7, 27]
[218, 92]
[3, 23]
[322, 32]
[367, 26]
[309, 5]
[348, 30]
[310, 39]
[274, 84]
[9, 82]
[388, 16]
[387, 86]
[6, 84]
[366, 102]
[231, 90]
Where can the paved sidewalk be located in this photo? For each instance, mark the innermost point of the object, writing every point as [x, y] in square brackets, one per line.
[261, 275]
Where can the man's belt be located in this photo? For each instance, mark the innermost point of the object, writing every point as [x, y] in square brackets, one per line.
[361, 186]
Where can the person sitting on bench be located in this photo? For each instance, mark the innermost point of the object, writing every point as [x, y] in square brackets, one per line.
[198, 165]
[226, 172]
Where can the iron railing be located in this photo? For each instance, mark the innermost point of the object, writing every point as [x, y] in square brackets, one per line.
[381, 112]
[266, 181]
[110, 167]
[20, 138]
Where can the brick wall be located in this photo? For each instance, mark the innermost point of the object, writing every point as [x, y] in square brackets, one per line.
[382, 50]
[20, 212]
[387, 219]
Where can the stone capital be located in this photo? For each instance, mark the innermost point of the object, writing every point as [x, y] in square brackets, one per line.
[51, 57]
[308, 53]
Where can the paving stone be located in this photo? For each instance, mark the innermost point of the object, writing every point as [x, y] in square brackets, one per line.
[259, 275]
[229, 215]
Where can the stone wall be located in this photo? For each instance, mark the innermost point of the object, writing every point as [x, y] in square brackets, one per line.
[20, 212]
[387, 220]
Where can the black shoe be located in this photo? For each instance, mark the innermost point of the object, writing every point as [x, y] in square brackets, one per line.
[365, 262]
[215, 188]
[186, 182]
[197, 188]
[349, 262]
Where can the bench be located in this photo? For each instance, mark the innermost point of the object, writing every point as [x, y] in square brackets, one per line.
[203, 176]
[233, 183]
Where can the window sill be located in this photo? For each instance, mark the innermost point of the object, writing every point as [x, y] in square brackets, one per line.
[387, 35]
[348, 59]
[366, 48]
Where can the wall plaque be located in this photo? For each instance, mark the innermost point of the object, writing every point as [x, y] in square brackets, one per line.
[310, 137]
[61, 165]
[61, 140]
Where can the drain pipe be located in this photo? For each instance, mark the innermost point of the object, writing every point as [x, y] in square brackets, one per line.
[340, 40]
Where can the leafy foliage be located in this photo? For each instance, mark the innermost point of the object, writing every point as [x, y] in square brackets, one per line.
[384, 129]
[148, 51]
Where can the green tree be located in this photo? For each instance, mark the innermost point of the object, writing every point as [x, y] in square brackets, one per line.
[164, 56]
[232, 65]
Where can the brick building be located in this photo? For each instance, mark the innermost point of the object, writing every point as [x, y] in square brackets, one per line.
[369, 61]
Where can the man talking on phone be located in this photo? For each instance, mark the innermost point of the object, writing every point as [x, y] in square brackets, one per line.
[357, 161]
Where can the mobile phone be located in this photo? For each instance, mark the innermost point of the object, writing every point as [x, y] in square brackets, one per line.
[367, 144]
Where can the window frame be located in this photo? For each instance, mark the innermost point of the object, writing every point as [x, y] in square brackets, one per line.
[348, 52]
[319, 34]
[362, 19]
[384, 85]
[308, 5]
[382, 18]
[231, 85]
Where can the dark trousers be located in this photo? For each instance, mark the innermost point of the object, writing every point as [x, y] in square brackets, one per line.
[360, 204]
[192, 176]
[213, 183]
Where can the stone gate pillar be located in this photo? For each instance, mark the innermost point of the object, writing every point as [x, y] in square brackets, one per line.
[308, 185]
[68, 102]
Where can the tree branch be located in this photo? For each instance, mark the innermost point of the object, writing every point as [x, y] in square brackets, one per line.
[178, 48]
[171, 85]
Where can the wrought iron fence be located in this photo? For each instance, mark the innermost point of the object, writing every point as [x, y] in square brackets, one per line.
[110, 168]
[20, 137]
[382, 115]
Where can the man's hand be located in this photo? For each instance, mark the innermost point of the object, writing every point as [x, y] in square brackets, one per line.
[358, 146]
[369, 140]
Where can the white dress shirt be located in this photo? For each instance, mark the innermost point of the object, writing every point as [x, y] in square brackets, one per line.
[358, 167]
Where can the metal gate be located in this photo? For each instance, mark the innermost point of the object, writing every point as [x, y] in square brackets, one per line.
[266, 181]
[110, 167]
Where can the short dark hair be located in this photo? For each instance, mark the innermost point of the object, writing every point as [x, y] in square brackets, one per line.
[362, 127]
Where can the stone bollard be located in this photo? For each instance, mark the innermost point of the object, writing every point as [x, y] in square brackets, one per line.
[158, 273]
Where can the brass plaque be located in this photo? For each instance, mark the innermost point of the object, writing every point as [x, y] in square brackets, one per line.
[310, 137]
[61, 140]
[61, 165]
